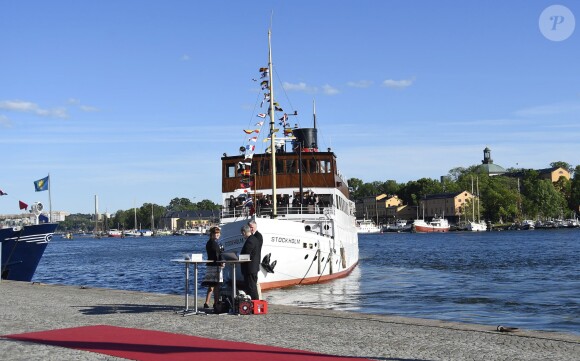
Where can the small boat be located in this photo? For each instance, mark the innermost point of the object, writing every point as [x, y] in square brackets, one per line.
[437, 224]
[367, 226]
[400, 225]
[138, 233]
[195, 231]
[473, 226]
[23, 247]
[527, 224]
[114, 233]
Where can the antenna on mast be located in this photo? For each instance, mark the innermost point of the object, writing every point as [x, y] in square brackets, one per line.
[314, 112]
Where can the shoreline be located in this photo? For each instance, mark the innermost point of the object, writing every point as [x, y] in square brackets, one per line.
[29, 307]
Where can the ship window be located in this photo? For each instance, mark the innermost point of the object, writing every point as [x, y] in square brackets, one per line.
[231, 170]
[265, 167]
[324, 166]
[291, 166]
[313, 166]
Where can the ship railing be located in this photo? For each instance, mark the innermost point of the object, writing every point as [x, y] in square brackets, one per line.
[242, 212]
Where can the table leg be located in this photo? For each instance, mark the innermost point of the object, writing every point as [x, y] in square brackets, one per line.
[234, 310]
[186, 287]
[195, 287]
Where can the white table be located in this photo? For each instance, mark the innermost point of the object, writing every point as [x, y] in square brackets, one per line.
[234, 263]
[187, 262]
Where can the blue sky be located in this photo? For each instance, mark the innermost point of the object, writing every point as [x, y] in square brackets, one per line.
[136, 101]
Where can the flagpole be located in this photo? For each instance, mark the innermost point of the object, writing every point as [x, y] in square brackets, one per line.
[272, 130]
[49, 200]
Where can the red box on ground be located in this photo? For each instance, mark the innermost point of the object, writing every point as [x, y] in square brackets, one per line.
[259, 307]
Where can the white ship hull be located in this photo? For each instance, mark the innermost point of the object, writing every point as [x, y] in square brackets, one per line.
[301, 256]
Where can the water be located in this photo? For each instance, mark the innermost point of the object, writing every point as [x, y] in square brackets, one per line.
[526, 279]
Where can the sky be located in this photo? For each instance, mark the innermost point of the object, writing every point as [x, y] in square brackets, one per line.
[136, 101]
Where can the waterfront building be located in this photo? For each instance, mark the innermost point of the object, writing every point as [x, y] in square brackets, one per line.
[451, 206]
[376, 207]
[487, 165]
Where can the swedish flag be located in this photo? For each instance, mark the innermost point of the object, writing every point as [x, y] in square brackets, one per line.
[41, 184]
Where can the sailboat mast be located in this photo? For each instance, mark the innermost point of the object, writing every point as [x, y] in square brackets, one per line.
[272, 123]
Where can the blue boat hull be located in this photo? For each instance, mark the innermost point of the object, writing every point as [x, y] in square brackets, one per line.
[22, 250]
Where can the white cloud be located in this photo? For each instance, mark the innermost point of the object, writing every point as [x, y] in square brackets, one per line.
[305, 88]
[550, 109]
[301, 87]
[87, 108]
[329, 90]
[29, 107]
[4, 121]
[360, 83]
[398, 84]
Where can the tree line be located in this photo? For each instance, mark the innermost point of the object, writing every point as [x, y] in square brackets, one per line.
[125, 219]
[503, 198]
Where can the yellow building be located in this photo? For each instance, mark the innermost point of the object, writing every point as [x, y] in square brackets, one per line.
[448, 205]
[554, 174]
[375, 207]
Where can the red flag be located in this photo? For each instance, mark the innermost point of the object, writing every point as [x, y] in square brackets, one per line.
[23, 205]
[2, 193]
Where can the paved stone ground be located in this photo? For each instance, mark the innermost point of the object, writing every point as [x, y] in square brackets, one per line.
[27, 307]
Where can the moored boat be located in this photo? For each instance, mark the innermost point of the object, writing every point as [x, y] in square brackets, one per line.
[115, 233]
[367, 226]
[23, 247]
[437, 224]
[297, 197]
[476, 226]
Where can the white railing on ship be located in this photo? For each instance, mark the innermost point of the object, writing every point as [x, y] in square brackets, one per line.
[282, 210]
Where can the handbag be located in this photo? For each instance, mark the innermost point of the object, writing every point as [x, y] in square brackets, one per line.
[213, 275]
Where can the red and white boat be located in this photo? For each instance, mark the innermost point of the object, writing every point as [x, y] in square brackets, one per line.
[437, 224]
[114, 233]
[298, 198]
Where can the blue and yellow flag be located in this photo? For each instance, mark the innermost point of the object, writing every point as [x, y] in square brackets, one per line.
[41, 184]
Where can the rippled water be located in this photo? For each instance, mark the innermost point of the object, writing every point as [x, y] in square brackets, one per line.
[526, 279]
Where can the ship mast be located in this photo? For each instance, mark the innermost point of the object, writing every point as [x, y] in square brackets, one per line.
[272, 123]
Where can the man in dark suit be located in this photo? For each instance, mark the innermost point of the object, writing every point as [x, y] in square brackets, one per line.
[252, 246]
[254, 228]
[255, 232]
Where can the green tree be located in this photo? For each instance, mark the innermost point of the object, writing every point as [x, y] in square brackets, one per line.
[206, 204]
[561, 164]
[181, 204]
[500, 198]
[574, 200]
[354, 184]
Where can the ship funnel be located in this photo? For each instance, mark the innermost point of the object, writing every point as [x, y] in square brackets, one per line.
[307, 138]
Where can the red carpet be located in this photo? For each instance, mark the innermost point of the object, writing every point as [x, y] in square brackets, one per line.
[145, 345]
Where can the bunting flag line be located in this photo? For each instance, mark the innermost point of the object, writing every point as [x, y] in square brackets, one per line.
[264, 85]
[2, 193]
[260, 123]
[22, 205]
[261, 115]
[41, 184]
[253, 139]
